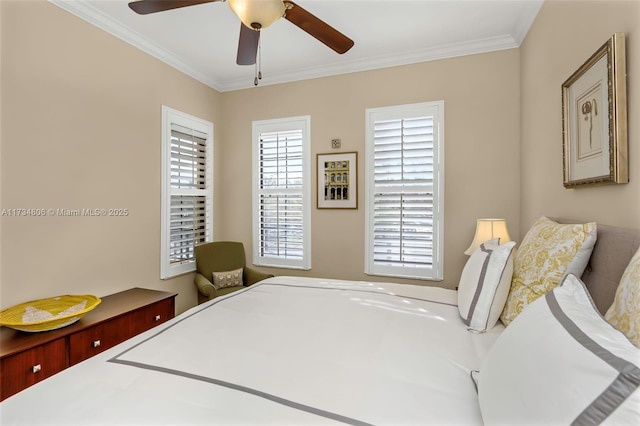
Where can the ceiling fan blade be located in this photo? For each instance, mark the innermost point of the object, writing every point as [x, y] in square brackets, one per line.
[317, 28]
[144, 7]
[247, 46]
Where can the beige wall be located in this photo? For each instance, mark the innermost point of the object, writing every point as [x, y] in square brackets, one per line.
[81, 129]
[81, 123]
[1, 120]
[564, 35]
[481, 94]
[70, 90]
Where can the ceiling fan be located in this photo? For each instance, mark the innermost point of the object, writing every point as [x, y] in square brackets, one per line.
[257, 15]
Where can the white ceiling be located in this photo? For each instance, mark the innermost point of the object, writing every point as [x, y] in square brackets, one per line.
[202, 40]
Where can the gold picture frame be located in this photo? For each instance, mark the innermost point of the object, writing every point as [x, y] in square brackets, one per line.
[594, 119]
[337, 180]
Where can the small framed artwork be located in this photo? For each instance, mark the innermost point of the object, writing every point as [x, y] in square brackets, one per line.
[338, 181]
[594, 119]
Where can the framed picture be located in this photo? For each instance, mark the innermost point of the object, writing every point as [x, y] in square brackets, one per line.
[594, 119]
[338, 181]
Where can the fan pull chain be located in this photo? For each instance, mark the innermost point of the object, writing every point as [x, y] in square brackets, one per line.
[258, 76]
[260, 58]
[255, 79]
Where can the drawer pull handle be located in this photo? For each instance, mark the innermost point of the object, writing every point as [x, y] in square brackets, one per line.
[157, 318]
[36, 368]
[96, 343]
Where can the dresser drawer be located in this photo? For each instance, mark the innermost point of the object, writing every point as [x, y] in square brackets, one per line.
[26, 368]
[96, 339]
[152, 315]
[101, 337]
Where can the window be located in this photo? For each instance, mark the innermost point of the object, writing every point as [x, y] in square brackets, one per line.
[281, 198]
[187, 190]
[404, 197]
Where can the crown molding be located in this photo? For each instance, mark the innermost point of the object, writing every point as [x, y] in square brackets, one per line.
[508, 41]
[95, 17]
[526, 20]
[452, 50]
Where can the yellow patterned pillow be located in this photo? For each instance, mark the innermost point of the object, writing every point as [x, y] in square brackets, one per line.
[624, 314]
[548, 252]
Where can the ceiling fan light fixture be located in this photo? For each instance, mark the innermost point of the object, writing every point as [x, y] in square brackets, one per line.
[258, 14]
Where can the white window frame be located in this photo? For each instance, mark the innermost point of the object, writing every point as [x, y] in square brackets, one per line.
[436, 110]
[302, 123]
[170, 117]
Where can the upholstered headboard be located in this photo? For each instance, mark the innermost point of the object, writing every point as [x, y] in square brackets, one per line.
[613, 250]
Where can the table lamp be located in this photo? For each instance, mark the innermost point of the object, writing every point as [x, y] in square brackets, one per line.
[487, 229]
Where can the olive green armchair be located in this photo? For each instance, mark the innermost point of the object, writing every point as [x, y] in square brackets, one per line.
[217, 257]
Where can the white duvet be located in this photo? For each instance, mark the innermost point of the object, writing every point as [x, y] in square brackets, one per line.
[298, 351]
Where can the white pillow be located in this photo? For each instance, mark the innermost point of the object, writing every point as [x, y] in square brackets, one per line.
[484, 284]
[560, 362]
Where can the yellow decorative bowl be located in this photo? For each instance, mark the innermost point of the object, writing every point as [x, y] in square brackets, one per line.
[48, 314]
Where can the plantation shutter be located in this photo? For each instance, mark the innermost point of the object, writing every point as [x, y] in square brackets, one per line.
[404, 213]
[188, 208]
[280, 182]
[403, 206]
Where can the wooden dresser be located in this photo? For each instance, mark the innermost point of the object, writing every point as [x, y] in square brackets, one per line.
[27, 358]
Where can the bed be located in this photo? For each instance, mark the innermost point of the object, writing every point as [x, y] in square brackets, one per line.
[307, 351]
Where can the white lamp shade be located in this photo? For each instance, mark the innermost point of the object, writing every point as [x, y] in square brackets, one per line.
[487, 229]
[262, 12]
